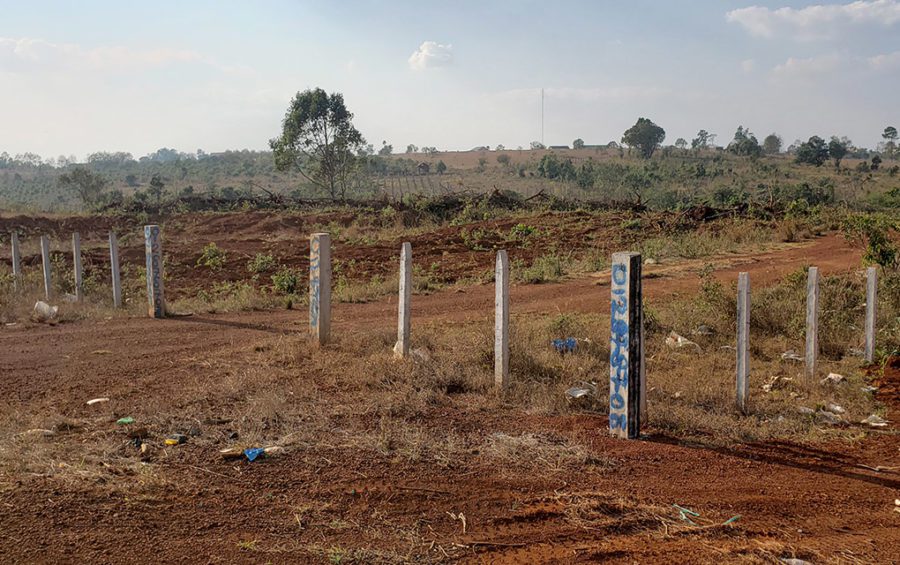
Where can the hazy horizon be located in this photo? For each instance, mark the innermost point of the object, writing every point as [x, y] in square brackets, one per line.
[103, 76]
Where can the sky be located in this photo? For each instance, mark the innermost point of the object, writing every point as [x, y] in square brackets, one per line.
[80, 77]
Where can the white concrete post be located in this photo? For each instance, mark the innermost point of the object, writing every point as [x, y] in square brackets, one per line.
[320, 287]
[114, 270]
[403, 304]
[626, 346]
[812, 321]
[501, 320]
[16, 261]
[743, 340]
[77, 267]
[871, 311]
[155, 293]
[45, 259]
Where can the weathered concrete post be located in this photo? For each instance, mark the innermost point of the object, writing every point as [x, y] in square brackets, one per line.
[45, 259]
[871, 311]
[812, 321]
[16, 261]
[626, 345]
[501, 320]
[320, 287]
[114, 270]
[155, 292]
[403, 304]
[743, 340]
[77, 267]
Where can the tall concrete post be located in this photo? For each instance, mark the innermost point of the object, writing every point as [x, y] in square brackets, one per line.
[16, 261]
[114, 270]
[403, 303]
[77, 267]
[812, 322]
[871, 311]
[45, 260]
[320, 287]
[501, 320]
[743, 340]
[155, 292]
[626, 345]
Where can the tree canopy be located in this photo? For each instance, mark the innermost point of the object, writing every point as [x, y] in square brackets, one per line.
[813, 152]
[318, 138]
[645, 136]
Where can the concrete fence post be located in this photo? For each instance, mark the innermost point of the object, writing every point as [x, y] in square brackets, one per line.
[501, 320]
[77, 267]
[871, 311]
[45, 260]
[320, 287]
[626, 346]
[155, 291]
[16, 261]
[114, 270]
[403, 304]
[812, 322]
[743, 340]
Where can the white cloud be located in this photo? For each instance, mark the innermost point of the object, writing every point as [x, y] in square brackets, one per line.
[748, 65]
[821, 21]
[884, 62]
[29, 54]
[809, 67]
[431, 54]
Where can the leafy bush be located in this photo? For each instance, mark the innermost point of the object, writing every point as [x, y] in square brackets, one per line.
[212, 257]
[287, 280]
[261, 263]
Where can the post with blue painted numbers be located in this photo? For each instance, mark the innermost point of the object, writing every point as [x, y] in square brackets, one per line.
[401, 349]
[155, 292]
[743, 340]
[812, 322]
[871, 311]
[320, 287]
[626, 346]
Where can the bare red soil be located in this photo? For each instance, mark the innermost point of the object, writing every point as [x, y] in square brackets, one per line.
[821, 503]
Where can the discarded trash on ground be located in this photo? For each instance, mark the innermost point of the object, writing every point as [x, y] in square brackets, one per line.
[676, 341]
[875, 421]
[775, 382]
[125, 420]
[835, 408]
[868, 388]
[686, 514]
[828, 417]
[93, 401]
[254, 453]
[791, 355]
[176, 439]
[833, 379]
[44, 313]
[567, 345]
[582, 389]
[805, 410]
[703, 329]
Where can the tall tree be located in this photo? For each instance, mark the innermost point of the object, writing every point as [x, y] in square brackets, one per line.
[813, 152]
[319, 140]
[86, 184]
[890, 140]
[772, 144]
[645, 136]
[837, 150]
[744, 143]
[703, 140]
[578, 144]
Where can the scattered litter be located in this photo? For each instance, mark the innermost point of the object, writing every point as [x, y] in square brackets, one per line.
[678, 394]
[93, 401]
[37, 431]
[792, 561]
[855, 352]
[805, 410]
[835, 408]
[729, 348]
[674, 340]
[828, 418]
[566, 345]
[273, 450]
[868, 388]
[582, 389]
[897, 505]
[231, 453]
[703, 329]
[775, 382]
[253, 453]
[732, 520]
[102, 352]
[421, 354]
[176, 439]
[791, 355]
[686, 513]
[125, 420]
[650, 261]
[44, 313]
[875, 421]
[833, 379]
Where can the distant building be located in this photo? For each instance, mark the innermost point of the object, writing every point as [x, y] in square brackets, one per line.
[559, 147]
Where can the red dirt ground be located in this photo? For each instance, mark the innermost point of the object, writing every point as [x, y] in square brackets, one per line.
[822, 502]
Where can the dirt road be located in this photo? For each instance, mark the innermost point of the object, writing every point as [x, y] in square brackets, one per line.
[315, 505]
